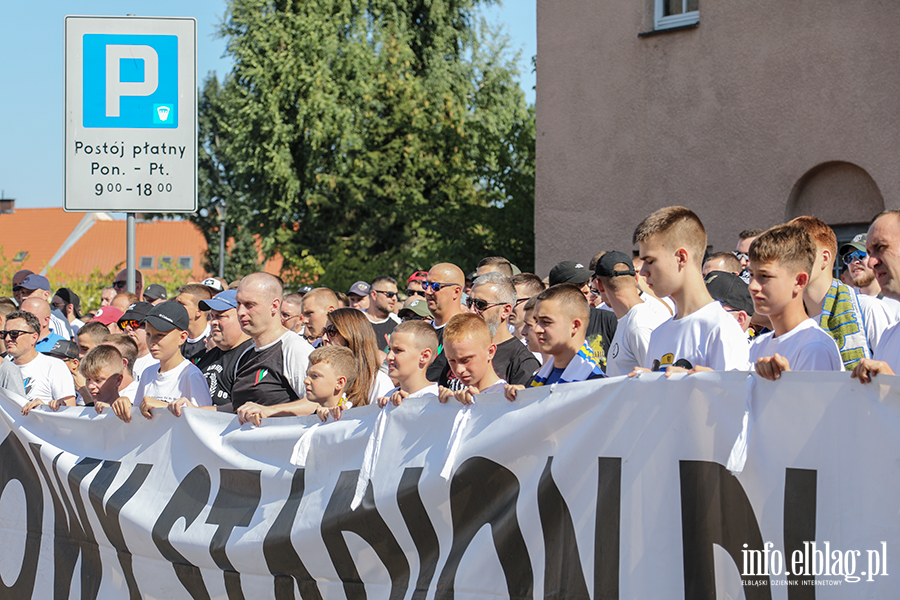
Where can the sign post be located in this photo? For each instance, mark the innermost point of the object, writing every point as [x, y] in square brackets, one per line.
[131, 117]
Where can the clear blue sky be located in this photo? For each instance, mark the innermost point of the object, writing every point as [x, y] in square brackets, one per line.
[31, 77]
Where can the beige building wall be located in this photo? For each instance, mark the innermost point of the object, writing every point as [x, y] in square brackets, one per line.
[764, 111]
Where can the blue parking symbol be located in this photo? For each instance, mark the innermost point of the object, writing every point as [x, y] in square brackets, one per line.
[130, 81]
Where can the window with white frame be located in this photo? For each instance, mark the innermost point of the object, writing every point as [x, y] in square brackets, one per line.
[676, 13]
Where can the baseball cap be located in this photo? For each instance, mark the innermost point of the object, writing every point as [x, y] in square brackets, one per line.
[729, 289]
[304, 289]
[213, 284]
[607, 264]
[222, 302]
[569, 271]
[417, 276]
[70, 297]
[858, 243]
[167, 316]
[107, 315]
[136, 311]
[360, 288]
[417, 307]
[33, 282]
[154, 291]
[63, 349]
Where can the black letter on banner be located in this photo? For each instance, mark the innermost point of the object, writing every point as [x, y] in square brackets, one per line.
[238, 497]
[367, 523]
[188, 501]
[420, 528]
[483, 492]
[109, 517]
[71, 537]
[281, 557]
[563, 577]
[715, 510]
[799, 525]
[15, 465]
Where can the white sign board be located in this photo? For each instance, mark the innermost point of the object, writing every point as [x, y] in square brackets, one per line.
[131, 114]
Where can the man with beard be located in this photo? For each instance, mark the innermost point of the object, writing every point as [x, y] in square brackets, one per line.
[493, 297]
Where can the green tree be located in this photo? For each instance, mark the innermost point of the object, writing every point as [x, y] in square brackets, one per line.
[360, 138]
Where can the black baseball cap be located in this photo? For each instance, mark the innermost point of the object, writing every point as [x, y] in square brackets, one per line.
[64, 349]
[569, 271]
[729, 289]
[137, 311]
[168, 316]
[154, 291]
[607, 264]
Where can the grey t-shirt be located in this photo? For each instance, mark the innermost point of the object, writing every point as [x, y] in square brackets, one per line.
[11, 377]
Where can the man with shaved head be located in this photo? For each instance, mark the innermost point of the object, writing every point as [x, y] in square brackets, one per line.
[40, 309]
[31, 285]
[273, 369]
[443, 289]
[316, 305]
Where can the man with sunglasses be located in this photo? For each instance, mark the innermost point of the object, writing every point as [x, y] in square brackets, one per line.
[121, 283]
[47, 379]
[132, 324]
[443, 289]
[415, 286]
[31, 285]
[382, 299]
[493, 297]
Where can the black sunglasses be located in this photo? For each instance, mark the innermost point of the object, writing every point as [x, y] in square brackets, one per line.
[120, 284]
[481, 305]
[13, 334]
[330, 330]
[412, 292]
[389, 295]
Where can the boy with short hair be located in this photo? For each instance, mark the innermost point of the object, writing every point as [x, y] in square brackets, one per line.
[413, 345]
[470, 352]
[90, 335]
[781, 260]
[174, 377]
[701, 335]
[561, 315]
[332, 370]
[102, 368]
[128, 348]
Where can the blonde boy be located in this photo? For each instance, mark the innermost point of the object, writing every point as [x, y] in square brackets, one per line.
[173, 377]
[332, 370]
[701, 335]
[781, 260]
[103, 371]
[470, 352]
[561, 315]
[413, 345]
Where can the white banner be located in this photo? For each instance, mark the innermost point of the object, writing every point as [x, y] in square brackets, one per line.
[599, 490]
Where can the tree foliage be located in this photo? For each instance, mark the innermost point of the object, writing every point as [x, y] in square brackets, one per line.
[359, 138]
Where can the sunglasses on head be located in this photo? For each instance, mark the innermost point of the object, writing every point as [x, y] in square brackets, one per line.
[481, 305]
[855, 255]
[12, 334]
[437, 285]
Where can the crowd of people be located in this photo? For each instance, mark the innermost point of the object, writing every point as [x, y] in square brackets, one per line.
[249, 348]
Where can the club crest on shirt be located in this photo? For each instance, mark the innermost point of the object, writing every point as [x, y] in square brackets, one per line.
[668, 360]
[259, 375]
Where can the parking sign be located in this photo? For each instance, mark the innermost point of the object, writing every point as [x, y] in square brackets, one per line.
[131, 114]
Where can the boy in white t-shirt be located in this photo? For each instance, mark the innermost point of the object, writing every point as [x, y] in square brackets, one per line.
[174, 377]
[781, 260]
[413, 345]
[701, 336]
[470, 352]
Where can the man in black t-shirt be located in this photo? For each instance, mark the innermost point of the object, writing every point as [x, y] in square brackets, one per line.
[382, 298]
[219, 364]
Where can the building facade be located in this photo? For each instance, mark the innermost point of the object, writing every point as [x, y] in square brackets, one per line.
[747, 113]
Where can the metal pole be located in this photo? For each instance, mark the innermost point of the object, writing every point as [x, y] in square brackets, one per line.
[129, 242]
[222, 249]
